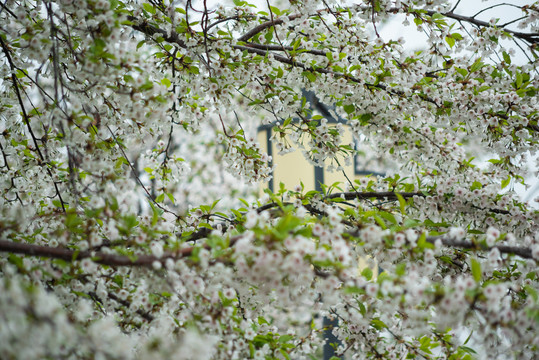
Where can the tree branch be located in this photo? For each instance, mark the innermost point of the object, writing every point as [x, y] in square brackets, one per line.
[140, 260]
[390, 195]
[259, 28]
[27, 119]
[523, 252]
[530, 37]
[151, 30]
[97, 257]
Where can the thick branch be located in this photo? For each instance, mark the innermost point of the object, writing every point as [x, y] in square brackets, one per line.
[148, 260]
[523, 252]
[532, 38]
[151, 30]
[390, 195]
[174, 38]
[98, 257]
[285, 48]
[292, 62]
[264, 50]
[261, 27]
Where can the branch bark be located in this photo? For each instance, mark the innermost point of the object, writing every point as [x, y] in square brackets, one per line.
[96, 256]
[523, 252]
[390, 195]
[532, 38]
[148, 260]
[150, 30]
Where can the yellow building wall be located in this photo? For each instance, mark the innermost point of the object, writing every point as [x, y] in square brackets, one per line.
[293, 168]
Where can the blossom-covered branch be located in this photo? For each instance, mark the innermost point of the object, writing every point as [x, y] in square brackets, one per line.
[532, 38]
[138, 137]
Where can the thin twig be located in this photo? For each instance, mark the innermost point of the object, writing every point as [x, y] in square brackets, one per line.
[137, 177]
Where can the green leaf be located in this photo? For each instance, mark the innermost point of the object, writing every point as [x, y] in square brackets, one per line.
[73, 222]
[166, 82]
[476, 185]
[468, 349]
[353, 290]
[400, 269]
[532, 292]
[450, 41]
[380, 222]
[287, 122]
[365, 117]
[476, 270]
[205, 225]
[468, 338]
[483, 88]
[269, 34]
[367, 273]
[362, 308]
[506, 182]
[285, 354]
[519, 80]
[477, 65]
[388, 216]
[462, 72]
[475, 232]
[285, 338]
[506, 58]
[130, 221]
[350, 108]
[212, 206]
[286, 224]
[275, 10]
[149, 8]
[422, 242]
[378, 324]
[402, 203]
[309, 75]
[16, 260]
[409, 223]
[437, 16]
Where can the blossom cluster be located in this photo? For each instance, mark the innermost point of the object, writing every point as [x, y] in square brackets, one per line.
[132, 220]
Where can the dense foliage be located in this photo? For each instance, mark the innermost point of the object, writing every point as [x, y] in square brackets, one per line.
[128, 228]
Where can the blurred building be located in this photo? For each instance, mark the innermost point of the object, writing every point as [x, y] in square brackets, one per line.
[292, 169]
